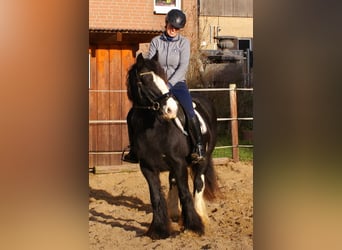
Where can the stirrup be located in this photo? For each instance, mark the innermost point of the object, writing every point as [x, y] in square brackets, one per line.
[130, 157]
[198, 154]
[195, 158]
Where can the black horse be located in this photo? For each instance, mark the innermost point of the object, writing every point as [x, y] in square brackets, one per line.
[162, 145]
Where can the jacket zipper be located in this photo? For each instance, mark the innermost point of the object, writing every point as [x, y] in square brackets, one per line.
[167, 57]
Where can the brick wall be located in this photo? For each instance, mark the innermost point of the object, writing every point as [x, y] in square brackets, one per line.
[138, 15]
[132, 14]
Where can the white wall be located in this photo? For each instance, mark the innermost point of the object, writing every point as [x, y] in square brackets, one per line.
[241, 27]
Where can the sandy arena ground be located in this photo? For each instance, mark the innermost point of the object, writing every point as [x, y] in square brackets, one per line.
[120, 212]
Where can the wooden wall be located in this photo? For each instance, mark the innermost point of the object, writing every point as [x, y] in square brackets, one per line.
[108, 103]
[237, 8]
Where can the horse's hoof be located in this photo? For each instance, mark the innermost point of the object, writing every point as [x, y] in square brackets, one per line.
[191, 233]
[195, 227]
[157, 235]
[199, 232]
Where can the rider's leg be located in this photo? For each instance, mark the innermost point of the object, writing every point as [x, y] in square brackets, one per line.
[181, 91]
[131, 156]
[199, 150]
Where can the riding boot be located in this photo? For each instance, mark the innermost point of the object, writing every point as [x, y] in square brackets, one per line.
[199, 150]
[131, 156]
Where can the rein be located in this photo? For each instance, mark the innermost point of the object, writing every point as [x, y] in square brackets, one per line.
[155, 103]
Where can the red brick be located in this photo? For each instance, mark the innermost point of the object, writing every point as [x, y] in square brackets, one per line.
[133, 14]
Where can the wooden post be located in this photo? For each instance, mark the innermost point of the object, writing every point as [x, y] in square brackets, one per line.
[234, 122]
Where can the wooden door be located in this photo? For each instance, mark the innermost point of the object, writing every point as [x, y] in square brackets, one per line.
[108, 103]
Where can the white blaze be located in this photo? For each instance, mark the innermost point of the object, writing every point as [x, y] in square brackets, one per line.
[160, 83]
[171, 108]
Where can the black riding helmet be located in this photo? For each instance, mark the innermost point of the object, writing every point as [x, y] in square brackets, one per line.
[176, 18]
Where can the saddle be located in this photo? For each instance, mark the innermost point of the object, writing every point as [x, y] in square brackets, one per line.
[182, 124]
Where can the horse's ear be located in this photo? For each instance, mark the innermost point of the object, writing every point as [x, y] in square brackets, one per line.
[140, 60]
[155, 57]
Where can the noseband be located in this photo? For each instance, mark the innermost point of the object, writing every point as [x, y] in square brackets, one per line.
[155, 103]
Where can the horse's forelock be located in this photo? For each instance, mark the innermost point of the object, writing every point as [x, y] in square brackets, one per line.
[156, 68]
[136, 68]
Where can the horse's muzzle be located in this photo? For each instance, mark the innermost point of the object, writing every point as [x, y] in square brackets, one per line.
[170, 109]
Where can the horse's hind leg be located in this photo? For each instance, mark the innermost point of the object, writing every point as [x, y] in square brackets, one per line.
[160, 226]
[191, 219]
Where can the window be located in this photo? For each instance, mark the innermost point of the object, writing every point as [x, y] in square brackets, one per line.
[244, 44]
[164, 6]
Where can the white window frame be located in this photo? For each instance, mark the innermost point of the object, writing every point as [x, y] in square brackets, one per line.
[166, 7]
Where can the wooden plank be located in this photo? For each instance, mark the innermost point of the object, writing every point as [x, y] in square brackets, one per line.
[219, 8]
[119, 37]
[127, 61]
[114, 83]
[116, 169]
[93, 84]
[240, 8]
[128, 167]
[243, 8]
[92, 106]
[115, 103]
[249, 8]
[227, 8]
[234, 122]
[102, 67]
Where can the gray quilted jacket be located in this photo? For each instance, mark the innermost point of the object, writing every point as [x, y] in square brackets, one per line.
[172, 55]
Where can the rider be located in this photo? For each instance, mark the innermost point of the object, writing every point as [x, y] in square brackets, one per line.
[174, 55]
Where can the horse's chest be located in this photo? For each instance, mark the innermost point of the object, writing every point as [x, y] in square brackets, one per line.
[158, 137]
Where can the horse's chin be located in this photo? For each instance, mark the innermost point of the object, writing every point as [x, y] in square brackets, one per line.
[170, 110]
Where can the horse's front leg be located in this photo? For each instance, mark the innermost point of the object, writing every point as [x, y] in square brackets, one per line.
[160, 226]
[199, 186]
[191, 219]
[172, 199]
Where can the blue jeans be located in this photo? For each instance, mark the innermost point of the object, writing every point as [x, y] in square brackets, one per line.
[181, 92]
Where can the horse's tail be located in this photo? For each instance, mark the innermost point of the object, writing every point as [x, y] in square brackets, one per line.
[211, 190]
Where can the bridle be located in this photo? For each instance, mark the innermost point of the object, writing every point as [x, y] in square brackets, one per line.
[154, 103]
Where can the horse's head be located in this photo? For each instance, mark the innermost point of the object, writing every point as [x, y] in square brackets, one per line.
[147, 89]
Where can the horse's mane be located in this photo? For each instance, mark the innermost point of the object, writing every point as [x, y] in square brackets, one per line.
[140, 64]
